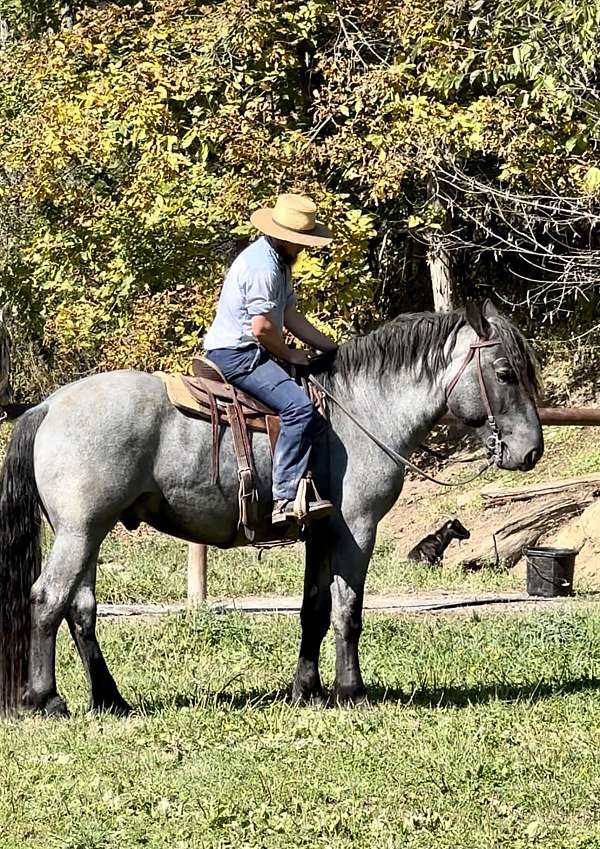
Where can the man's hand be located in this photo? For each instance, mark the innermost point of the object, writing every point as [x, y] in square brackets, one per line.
[266, 332]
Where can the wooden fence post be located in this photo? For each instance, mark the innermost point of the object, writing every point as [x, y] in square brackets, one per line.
[196, 573]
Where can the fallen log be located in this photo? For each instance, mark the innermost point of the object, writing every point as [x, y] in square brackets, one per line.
[494, 496]
[505, 544]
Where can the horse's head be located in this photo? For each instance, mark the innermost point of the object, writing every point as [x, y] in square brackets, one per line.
[492, 387]
[4, 358]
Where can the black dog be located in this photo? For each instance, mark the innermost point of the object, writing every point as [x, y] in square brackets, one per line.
[431, 548]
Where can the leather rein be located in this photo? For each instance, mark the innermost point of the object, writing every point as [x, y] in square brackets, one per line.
[493, 443]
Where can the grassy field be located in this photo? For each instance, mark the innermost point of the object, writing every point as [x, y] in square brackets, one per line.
[481, 733]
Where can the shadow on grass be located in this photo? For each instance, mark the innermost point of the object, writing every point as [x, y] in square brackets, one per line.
[254, 698]
[428, 697]
[460, 697]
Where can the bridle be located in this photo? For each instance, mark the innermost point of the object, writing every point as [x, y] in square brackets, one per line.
[493, 443]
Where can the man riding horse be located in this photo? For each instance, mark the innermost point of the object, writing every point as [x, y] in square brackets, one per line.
[144, 460]
[245, 339]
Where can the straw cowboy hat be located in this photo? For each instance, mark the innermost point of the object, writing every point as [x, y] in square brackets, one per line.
[292, 219]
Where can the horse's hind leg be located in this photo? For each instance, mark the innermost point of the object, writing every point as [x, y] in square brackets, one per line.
[81, 617]
[314, 618]
[51, 596]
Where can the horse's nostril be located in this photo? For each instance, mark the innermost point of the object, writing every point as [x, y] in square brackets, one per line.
[531, 459]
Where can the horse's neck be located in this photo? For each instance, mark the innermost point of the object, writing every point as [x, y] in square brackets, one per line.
[398, 410]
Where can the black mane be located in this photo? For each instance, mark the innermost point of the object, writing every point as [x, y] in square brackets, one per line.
[418, 340]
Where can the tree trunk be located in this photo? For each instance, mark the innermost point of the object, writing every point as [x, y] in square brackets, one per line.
[439, 259]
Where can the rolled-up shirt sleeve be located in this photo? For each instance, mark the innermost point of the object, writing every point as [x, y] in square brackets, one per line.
[261, 292]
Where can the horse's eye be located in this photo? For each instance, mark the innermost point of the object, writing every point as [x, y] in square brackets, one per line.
[506, 375]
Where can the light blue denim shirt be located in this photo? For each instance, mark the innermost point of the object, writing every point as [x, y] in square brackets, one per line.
[258, 282]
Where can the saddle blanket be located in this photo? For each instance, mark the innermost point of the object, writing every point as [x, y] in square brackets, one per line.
[179, 393]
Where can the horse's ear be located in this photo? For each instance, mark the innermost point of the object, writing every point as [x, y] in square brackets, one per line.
[477, 320]
[489, 310]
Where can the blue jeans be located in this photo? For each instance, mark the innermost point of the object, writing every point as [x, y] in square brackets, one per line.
[253, 371]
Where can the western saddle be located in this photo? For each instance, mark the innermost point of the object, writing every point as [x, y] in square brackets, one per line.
[207, 394]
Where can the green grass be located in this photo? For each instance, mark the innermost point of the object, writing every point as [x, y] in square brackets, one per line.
[388, 572]
[153, 567]
[481, 733]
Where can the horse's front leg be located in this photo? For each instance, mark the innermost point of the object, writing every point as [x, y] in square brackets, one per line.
[350, 562]
[314, 616]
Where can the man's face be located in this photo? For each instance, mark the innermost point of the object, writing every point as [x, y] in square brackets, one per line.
[288, 250]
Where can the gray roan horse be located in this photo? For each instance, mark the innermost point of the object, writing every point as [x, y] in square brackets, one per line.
[111, 448]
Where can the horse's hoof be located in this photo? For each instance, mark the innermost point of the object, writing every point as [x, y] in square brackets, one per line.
[308, 697]
[319, 700]
[347, 696]
[117, 707]
[121, 708]
[56, 708]
[314, 700]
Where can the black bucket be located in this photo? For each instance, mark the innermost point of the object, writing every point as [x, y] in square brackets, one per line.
[550, 571]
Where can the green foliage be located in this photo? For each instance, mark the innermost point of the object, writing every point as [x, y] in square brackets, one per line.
[134, 154]
[134, 146]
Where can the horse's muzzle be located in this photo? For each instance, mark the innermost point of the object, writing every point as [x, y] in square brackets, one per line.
[525, 463]
[530, 459]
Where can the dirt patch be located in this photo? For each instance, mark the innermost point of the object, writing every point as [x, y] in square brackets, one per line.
[423, 507]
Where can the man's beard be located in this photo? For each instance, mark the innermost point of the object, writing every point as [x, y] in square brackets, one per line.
[290, 260]
[285, 256]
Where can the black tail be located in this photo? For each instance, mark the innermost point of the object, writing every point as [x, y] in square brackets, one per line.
[20, 557]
